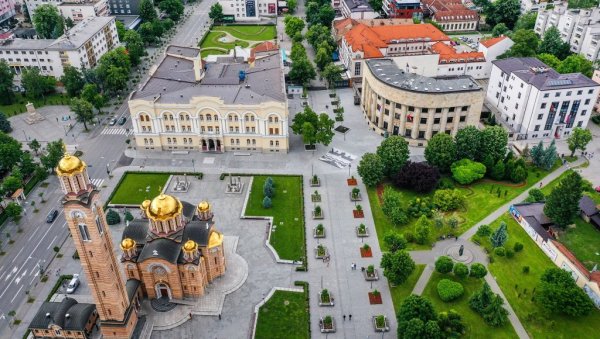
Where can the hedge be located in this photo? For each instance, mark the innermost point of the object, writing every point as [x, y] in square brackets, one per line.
[58, 284]
[449, 290]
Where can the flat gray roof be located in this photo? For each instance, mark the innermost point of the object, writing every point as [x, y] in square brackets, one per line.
[358, 6]
[189, 52]
[386, 71]
[542, 77]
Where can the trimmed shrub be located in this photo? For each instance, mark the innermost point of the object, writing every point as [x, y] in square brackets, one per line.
[509, 253]
[466, 171]
[409, 236]
[500, 251]
[448, 200]
[478, 271]
[449, 290]
[112, 217]
[518, 247]
[461, 270]
[444, 264]
[267, 203]
[526, 269]
[484, 231]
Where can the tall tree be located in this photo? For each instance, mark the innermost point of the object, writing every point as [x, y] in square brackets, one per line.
[54, 152]
[302, 71]
[468, 142]
[494, 142]
[500, 235]
[326, 15]
[120, 29]
[313, 128]
[317, 34]
[576, 63]
[553, 44]
[147, 11]
[397, 266]
[292, 5]
[441, 151]
[27, 165]
[332, 73]
[414, 307]
[558, 293]
[83, 110]
[35, 146]
[216, 12]
[370, 169]
[422, 230]
[526, 44]
[135, 46]
[550, 156]
[505, 11]
[69, 23]
[394, 154]
[549, 59]
[146, 32]
[73, 80]
[394, 241]
[526, 21]
[36, 85]
[499, 29]
[10, 152]
[562, 205]
[173, 8]
[7, 96]
[293, 25]
[417, 176]
[4, 123]
[376, 5]
[323, 58]
[91, 94]
[48, 22]
[579, 139]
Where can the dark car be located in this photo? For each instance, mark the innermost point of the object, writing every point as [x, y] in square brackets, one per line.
[122, 121]
[52, 216]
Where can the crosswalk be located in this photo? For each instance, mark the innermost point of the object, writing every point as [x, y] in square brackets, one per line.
[97, 182]
[115, 131]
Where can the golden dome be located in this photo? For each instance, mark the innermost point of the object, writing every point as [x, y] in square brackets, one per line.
[127, 244]
[163, 207]
[203, 206]
[190, 245]
[69, 165]
[145, 204]
[216, 239]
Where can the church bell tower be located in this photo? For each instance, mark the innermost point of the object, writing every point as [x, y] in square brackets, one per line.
[86, 221]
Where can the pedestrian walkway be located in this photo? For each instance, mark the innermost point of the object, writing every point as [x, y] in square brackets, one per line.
[97, 182]
[115, 131]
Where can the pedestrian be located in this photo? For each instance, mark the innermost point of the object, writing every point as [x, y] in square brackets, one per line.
[219, 316]
[350, 317]
[190, 315]
[541, 184]
[344, 317]
[456, 238]
[362, 268]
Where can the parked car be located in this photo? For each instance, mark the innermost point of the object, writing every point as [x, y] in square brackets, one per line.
[52, 216]
[122, 121]
[112, 122]
[73, 284]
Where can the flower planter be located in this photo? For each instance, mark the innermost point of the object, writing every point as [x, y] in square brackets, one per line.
[373, 277]
[315, 197]
[318, 216]
[362, 235]
[357, 197]
[358, 214]
[327, 327]
[385, 327]
[352, 182]
[375, 299]
[322, 254]
[366, 253]
[326, 303]
[317, 235]
[315, 183]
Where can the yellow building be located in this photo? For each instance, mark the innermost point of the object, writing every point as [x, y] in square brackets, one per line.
[228, 105]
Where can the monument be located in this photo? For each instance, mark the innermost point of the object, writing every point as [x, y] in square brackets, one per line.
[33, 116]
[235, 185]
[181, 186]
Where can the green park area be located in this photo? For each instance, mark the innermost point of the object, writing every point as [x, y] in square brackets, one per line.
[20, 101]
[475, 326]
[134, 188]
[400, 292]
[519, 283]
[221, 39]
[284, 315]
[287, 211]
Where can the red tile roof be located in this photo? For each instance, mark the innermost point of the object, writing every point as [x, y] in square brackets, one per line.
[371, 39]
[491, 42]
[266, 46]
[449, 11]
[448, 54]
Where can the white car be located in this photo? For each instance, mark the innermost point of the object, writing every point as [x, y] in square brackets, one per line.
[73, 284]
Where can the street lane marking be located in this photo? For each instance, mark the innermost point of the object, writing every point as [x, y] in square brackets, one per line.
[32, 234]
[16, 256]
[16, 294]
[52, 242]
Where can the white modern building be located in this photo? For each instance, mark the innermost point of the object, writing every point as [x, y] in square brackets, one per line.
[249, 10]
[535, 101]
[357, 9]
[81, 47]
[579, 27]
[492, 49]
[533, 5]
[596, 78]
[78, 10]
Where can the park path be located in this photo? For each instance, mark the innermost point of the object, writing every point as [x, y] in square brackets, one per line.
[428, 257]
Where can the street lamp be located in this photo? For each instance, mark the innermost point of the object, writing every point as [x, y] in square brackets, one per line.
[107, 169]
[194, 165]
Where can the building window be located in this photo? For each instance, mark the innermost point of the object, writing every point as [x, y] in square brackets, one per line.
[540, 116]
[99, 225]
[543, 105]
[424, 110]
[584, 112]
[546, 95]
[450, 119]
[357, 69]
[421, 134]
[464, 108]
[580, 123]
[85, 234]
[436, 121]
[408, 133]
[537, 128]
[587, 101]
[423, 121]
[438, 110]
[463, 118]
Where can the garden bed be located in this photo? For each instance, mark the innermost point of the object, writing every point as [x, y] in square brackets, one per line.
[320, 252]
[352, 182]
[366, 252]
[358, 214]
[371, 276]
[284, 313]
[362, 232]
[381, 323]
[326, 324]
[326, 298]
[375, 298]
[319, 232]
[134, 188]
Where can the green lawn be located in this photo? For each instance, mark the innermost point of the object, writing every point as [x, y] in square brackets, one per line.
[517, 288]
[399, 293]
[287, 213]
[20, 101]
[476, 327]
[584, 241]
[283, 316]
[481, 200]
[133, 188]
[212, 40]
[253, 33]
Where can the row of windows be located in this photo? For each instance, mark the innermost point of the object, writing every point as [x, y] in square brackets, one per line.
[230, 117]
[22, 52]
[423, 109]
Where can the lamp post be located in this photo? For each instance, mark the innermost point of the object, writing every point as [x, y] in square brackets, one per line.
[194, 165]
[107, 169]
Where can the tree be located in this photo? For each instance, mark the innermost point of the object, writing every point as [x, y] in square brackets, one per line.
[35, 84]
[7, 95]
[414, 307]
[468, 142]
[293, 25]
[10, 152]
[422, 230]
[120, 30]
[394, 153]
[418, 176]
[500, 235]
[526, 21]
[48, 22]
[4, 123]
[466, 171]
[267, 202]
[550, 156]
[83, 110]
[506, 11]
[10, 184]
[553, 44]
[135, 46]
[526, 44]
[148, 13]
[495, 314]
[146, 32]
[173, 8]
[559, 293]
[444, 264]
[292, 5]
[26, 165]
[461, 270]
[478, 271]
[318, 34]
[323, 58]
[128, 216]
[112, 217]
[550, 60]
[69, 23]
[54, 152]
[302, 71]
[91, 94]
[370, 169]
[562, 205]
[326, 15]
[394, 241]
[73, 80]
[578, 139]
[312, 13]
[498, 171]
[441, 151]
[377, 5]
[268, 189]
[451, 324]
[34, 145]
[216, 12]
[397, 266]
[535, 195]
[392, 207]
[576, 63]
[499, 29]
[481, 298]
[332, 73]
[448, 199]
[13, 211]
[313, 128]
[415, 328]
[494, 142]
